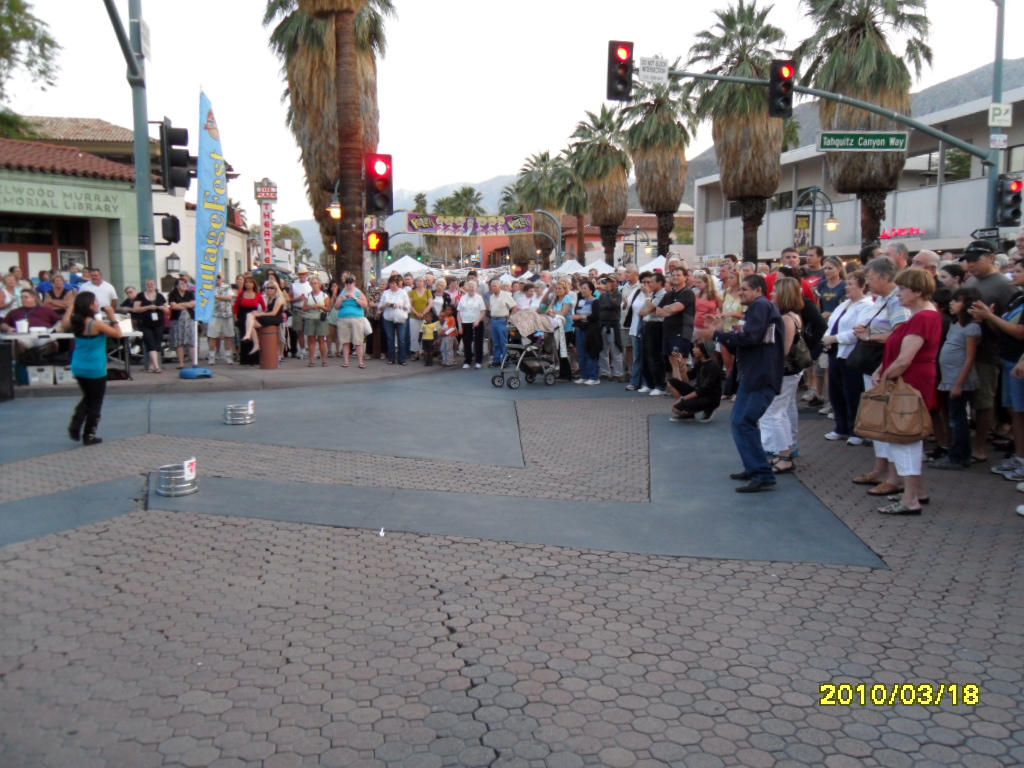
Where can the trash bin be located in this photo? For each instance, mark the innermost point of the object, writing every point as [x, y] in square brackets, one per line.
[268, 347]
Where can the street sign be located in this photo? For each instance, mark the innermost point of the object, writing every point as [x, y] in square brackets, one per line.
[1000, 115]
[985, 233]
[653, 70]
[862, 141]
[147, 52]
[998, 141]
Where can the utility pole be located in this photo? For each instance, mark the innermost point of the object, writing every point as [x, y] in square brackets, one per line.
[997, 97]
[134, 58]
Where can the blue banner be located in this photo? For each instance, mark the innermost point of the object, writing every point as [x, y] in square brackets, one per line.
[211, 210]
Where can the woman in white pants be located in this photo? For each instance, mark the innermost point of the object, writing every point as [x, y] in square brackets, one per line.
[778, 425]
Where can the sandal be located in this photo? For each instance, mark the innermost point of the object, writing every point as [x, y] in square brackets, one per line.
[312, 365]
[344, 365]
[323, 365]
[898, 496]
[884, 489]
[361, 365]
[866, 479]
[899, 508]
[784, 470]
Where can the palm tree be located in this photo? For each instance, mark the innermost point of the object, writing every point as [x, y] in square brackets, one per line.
[850, 53]
[307, 45]
[602, 164]
[657, 137]
[521, 248]
[748, 142]
[574, 196]
[543, 187]
[790, 134]
[419, 203]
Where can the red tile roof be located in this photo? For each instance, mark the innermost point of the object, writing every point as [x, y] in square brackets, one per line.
[64, 161]
[79, 129]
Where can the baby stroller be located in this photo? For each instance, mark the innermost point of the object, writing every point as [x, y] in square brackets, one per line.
[532, 357]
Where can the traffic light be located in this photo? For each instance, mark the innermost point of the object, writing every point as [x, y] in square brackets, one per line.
[173, 161]
[378, 185]
[620, 70]
[170, 228]
[376, 241]
[780, 88]
[1009, 201]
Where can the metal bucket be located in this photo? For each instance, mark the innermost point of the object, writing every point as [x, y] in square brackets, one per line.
[240, 414]
[174, 480]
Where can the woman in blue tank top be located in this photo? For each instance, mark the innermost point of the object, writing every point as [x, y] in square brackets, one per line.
[88, 364]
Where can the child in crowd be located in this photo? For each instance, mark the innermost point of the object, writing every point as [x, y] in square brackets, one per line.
[959, 379]
[428, 332]
[449, 335]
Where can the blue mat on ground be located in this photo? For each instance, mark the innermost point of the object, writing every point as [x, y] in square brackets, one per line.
[56, 512]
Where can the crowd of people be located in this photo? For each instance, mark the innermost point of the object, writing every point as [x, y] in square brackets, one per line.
[742, 332]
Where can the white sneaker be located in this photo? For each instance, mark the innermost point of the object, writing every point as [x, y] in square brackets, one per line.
[1008, 467]
[656, 393]
[826, 411]
[211, 359]
[465, 367]
[833, 435]
[1020, 509]
[228, 359]
[592, 382]
[477, 365]
[854, 440]
[630, 388]
[579, 381]
[644, 388]
[1020, 487]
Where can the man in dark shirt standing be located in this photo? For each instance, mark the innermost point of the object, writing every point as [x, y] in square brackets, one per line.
[679, 308]
[759, 364]
[996, 292]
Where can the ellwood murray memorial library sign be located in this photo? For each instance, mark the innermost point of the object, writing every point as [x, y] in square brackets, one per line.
[45, 199]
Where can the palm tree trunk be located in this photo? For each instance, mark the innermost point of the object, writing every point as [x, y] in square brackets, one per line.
[666, 223]
[350, 148]
[609, 236]
[581, 241]
[872, 212]
[752, 210]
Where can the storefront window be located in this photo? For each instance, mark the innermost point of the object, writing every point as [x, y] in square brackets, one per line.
[73, 232]
[25, 230]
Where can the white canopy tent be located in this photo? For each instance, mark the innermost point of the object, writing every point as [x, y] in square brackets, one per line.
[602, 266]
[571, 267]
[403, 265]
[653, 264]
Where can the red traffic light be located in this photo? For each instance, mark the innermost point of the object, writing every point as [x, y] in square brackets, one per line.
[380, 166]
[623, 52]
[786, 71]
[1016, 185]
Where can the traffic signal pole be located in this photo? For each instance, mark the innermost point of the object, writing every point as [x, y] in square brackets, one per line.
[989, 158]
[132, 50]
[997, 96]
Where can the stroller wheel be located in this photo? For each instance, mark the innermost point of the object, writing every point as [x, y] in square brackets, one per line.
[530, 378]
[549, 379]
[513, 382]
[498, 380]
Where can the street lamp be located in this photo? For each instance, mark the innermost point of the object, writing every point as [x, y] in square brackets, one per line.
[173, 263]
[815, 201]
[334, 209]
[636, 233]
[832, 224]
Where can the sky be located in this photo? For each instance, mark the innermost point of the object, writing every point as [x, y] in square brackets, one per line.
[467, 89]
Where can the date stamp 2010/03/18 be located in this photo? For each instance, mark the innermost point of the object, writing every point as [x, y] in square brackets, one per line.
[892, 694]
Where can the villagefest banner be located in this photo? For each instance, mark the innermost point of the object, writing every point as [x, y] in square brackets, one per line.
[211, 211]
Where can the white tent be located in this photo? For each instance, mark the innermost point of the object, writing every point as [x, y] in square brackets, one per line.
[653, 264]
[403, 265]
[526, 275]
[571, 267]
[602, 266]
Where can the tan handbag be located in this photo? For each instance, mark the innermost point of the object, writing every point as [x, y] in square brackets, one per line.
[893, 412]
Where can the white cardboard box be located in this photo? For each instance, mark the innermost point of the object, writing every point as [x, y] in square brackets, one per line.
[62, 375]
[40, 375]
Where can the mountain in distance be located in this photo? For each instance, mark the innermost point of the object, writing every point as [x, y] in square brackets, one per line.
[965, 88]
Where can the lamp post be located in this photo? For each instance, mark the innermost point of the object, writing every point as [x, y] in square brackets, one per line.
[815, 201]
[635, 232]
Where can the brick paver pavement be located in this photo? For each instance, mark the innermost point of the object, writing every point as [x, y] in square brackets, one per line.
[160, 639]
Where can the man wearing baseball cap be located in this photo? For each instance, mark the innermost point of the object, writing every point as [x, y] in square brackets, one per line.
[300, 289]
[996, 291]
